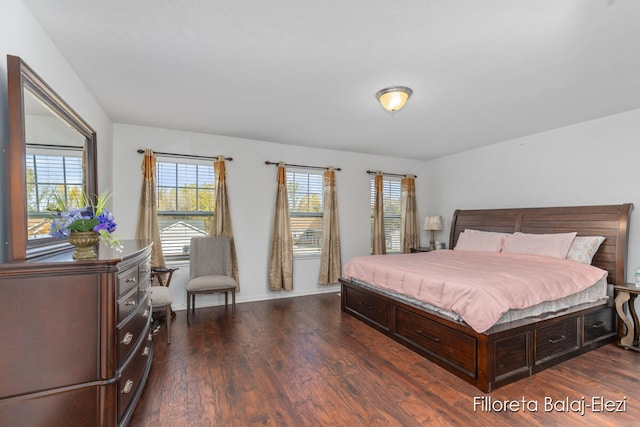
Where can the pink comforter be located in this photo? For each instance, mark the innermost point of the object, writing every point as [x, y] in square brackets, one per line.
[479, 286]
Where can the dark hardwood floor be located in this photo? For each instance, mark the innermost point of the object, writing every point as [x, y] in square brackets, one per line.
[302, 362]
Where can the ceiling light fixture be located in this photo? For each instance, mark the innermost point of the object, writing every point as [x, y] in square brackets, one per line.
[393, 98]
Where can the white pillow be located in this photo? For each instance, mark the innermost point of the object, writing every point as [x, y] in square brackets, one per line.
[584, 248]
[555, 245]
[476, 240]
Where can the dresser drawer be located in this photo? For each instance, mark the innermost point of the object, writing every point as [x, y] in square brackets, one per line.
[128, 303]
[369, 306]
[556, 339]
[131, 374]
[599, 325]
[144, 274]
[132, 330]
[144, 286]
[127, 280]
[447, 345]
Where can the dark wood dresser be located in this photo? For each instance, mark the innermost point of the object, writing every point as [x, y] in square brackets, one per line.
[75, 341]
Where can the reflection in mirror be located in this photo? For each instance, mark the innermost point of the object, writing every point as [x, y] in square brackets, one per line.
[51, 151]
[54, 152]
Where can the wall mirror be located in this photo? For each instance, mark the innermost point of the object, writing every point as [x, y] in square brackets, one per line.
[52, 151]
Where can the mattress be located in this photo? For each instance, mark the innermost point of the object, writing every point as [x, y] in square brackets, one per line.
[599, 292]
[480, 288]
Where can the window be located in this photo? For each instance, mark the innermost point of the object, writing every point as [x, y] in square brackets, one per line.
[186, 204]
[49, 174]
[305, 210]
[392, 199]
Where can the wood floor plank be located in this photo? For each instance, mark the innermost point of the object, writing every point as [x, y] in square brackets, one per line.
[302, 362]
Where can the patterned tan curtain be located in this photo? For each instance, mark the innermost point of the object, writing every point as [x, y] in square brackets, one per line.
[330, 257]
[281, 262]
[147, 227]
[221, 225]
[409, 232]
[378, 244]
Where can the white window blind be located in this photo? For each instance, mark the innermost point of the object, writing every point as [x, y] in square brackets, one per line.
[186, 204]
[392, 199]
[305, 210]
[48, 175]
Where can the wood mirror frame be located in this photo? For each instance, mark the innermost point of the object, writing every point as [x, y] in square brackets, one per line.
[20, 78]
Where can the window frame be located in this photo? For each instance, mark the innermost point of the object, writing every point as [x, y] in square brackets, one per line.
[313, 189]
[180, 181]
[387, 199]
[34, 159]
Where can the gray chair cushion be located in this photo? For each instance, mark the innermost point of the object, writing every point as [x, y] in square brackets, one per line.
[160, 296]
[213, 282]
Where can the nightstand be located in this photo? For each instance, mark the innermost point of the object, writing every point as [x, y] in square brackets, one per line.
[420, 249]
[628, 293]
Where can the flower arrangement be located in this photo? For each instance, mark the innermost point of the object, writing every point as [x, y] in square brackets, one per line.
[90, 217]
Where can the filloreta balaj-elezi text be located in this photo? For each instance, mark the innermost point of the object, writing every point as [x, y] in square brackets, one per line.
[581, 406]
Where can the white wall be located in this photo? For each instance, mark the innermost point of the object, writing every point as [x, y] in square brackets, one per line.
[21, 35]
[252, 188]
[591, 163]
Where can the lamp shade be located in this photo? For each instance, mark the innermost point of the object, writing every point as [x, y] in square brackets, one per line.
[393, 98]
[432, 222]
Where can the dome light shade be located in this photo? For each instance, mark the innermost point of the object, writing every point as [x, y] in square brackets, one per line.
[393, 98]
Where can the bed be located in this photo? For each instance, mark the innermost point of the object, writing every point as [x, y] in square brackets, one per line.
[509, 350]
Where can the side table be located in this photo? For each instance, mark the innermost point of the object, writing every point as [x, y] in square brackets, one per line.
[627, 293]
[420, 249]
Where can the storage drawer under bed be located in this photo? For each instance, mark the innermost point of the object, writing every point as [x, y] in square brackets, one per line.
[446, 344]
[556, 340]
[599, 325]
[366, 305]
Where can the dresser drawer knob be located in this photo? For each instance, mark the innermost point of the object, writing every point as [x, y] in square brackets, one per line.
[145, 271]
[130, 303]
[128, 337]
[145, 352]
[127, 387]
[557, 340]
[367, 306]
[597, 325]
[427, 336]
[131, 280]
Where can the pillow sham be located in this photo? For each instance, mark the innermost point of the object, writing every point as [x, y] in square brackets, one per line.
[584, 248]
[554, 245]
[483, 241]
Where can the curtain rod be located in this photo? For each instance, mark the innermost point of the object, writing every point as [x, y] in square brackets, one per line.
[390, 174]
[186, 156]
[302, 166]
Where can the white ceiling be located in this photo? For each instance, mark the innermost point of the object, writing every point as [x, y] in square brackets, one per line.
[306, 72]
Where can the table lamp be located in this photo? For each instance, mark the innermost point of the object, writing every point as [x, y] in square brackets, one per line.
[432, 223]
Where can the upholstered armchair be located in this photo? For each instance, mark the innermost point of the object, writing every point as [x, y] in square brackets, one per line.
[210, 271]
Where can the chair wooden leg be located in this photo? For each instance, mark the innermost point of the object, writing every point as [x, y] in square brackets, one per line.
[226, 300]
[168, 319]
[188, 308]
[233, 304]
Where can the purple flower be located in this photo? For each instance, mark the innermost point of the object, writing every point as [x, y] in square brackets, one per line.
[60, 227]
[107, 222]
[85, 219]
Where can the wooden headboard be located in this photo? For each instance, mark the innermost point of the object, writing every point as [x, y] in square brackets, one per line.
[610, 221]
